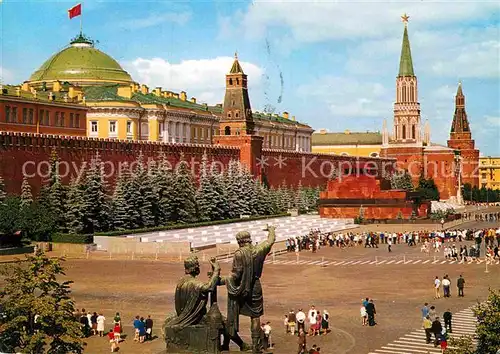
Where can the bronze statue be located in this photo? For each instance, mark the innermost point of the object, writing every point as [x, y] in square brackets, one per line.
[244, 289]
[191, 329]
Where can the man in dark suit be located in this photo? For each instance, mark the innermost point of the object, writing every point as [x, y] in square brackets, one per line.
[370, 310]
[460, 286]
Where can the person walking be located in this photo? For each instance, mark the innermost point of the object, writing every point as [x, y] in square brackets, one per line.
[149, 328]
[302, 341]
[389, 245]
[427, 325]
[100, 324]
[301, 318]
[437, 285]
[446, 286]
[370, 310]
[460, 286]
[425, 310]
[436, 328]
[291, 322]
[447, 320]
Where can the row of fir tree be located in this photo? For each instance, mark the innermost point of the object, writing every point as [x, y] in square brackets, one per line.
[148, 195]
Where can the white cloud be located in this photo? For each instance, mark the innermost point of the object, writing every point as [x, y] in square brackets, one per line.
[6, 76]
[349, 97]
[203, 78]
[326, 20]
[157, 19]
[493, 122]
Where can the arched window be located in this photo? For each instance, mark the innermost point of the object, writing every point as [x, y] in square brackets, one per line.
[374, 154]
[344, 154]
[230, 82]
[413, 135]
[237, 81]
[236, 115]
[404, 132]
[229, 114]
[227, 130]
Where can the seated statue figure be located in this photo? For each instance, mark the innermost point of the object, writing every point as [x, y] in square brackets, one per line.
[191, 329]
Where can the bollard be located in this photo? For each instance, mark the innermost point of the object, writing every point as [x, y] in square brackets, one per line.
[376, 260]
[322, 261]
[404, 258]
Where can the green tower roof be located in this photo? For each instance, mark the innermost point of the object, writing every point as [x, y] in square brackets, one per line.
[236, 68]
[81, 63]
[405, 63]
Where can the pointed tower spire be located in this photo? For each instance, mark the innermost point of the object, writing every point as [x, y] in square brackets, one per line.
[236, 68]
[405, 62]
[460, 122]
[427, 133]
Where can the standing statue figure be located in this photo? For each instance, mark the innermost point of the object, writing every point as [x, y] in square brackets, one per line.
[244, 291]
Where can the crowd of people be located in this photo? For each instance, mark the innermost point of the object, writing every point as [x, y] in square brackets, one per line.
[428, 240]
[313, 324]
[94, 324]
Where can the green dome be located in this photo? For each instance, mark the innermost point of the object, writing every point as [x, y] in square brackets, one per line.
[81, 64]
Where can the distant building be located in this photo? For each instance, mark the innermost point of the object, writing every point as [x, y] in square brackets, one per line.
[120, 108]
[40, 112]
[347, 143]
[489, 172]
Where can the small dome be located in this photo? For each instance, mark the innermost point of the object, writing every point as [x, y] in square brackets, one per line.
[80, 64]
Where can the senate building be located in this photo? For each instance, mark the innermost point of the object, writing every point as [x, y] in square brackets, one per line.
[91, 84]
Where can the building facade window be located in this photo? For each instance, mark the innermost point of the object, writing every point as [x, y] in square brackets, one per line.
[77, 120]
[71, 120]
[31, 116]
[129, 127]
[112, 127]
[374, 154]
[62, 120]
[56, 122]
[41, 116]
[25, 115]
[94, 128]
[7, 114]
[47, 117]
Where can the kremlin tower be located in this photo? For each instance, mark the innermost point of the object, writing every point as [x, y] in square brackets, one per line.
[413, 150]
[461, 139]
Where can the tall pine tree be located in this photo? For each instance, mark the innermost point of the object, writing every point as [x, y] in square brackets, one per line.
[96, 200]
[26, 195]
[146, 201]
[76, 207]
[206, 198]
[119, 204]
[184, 198]
[163, 190]
[56, 194]
[3, 194]
[232, 186]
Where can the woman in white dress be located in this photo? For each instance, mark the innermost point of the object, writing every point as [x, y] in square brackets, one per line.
[100, 324]
[364, 315]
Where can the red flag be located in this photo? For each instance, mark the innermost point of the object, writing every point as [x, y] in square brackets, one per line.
[75, 11]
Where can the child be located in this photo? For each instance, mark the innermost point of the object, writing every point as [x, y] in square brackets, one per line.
[117, 331]
[285, 322]
[443, 342]
[112, 341]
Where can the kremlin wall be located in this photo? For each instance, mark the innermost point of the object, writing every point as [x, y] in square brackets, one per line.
[81, 102]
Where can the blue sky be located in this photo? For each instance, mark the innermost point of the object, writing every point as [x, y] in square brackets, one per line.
[331, 64]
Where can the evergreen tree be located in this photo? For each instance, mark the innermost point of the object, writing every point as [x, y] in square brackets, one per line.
[146, 202]
[32, 290]
[3, 194]
[248, 194]
[26, 195]
[401, 180]
[96, 200]
[220, 198]
[119, 206]
[76, 208]
[162, 180]
[184, 198]
[427, 189]
[302, 202]
[263, 204]
[56, 193]
[488, 315]
[232, 190]
[209, 197]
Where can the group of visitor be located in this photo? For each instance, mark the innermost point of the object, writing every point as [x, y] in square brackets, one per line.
[431, 325]
[314, 323]
[368, 312]
[92, 323]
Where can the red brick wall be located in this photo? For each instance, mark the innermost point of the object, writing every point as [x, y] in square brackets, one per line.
[314, 169]
[438, 165]
[31, 153]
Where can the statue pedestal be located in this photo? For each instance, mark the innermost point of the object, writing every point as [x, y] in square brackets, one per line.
[202, 338]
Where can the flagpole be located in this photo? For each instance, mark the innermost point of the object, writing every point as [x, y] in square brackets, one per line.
[81, 21]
